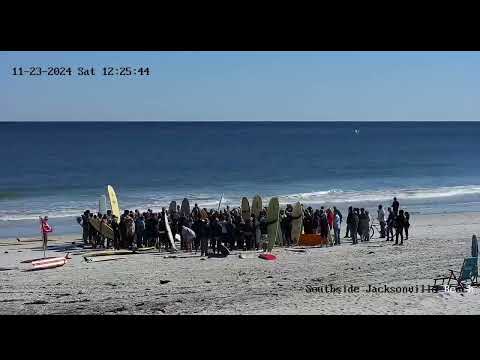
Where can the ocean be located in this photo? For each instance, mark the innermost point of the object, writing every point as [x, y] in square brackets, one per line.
[60, 169]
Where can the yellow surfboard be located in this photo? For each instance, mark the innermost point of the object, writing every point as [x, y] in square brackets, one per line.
[113, 202]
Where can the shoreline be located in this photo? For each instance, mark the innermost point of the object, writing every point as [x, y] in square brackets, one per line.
[153, 283]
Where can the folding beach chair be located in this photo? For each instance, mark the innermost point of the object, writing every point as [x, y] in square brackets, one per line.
[469, 271]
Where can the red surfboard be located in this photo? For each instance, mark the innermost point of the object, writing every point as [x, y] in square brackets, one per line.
[50, 263]
[267, 257]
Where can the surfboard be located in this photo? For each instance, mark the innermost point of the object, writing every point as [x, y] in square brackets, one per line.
[185, 208]
[113, 202]
[172, 207]
[256, 205]
[297, 223]
[267, 257]
[50, 263]
[245, 206]
[102, 204]
[104, 229]
[203, 214]
[273, 213]
[108, 253]
[169, 232]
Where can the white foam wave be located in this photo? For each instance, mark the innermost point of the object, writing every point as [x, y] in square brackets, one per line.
[335, 196]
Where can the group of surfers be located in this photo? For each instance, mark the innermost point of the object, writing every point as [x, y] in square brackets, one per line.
[204, 230]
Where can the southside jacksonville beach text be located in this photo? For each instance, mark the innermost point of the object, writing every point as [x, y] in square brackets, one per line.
[382, 289]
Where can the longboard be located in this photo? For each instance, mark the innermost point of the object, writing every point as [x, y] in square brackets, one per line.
[49, 263]
[172, 207]
[297, 223]
[256, 205]
[108, 253]
[113, 202]
[169, 232]
[273, 226]
[104, 229]
[185, 208]
[245, 206]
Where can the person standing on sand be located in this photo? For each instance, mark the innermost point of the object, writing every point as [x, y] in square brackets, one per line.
[395, 206]
[390, 223]
[399, 226]
[381, 220]
[45, 228]
[407, 224]
[188, 236]
[139, 229]
[363, 225]
[354, 226]
[324, 225]
[215, 234]
[203, 234]
[116, 233]
[336, 228]
[349, 222]
[85, 226]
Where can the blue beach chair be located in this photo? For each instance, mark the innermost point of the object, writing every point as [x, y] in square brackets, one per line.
[468, 272]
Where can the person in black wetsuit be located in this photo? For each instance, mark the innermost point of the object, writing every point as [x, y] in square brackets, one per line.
[288, 227]
[203, 234]
[354, 226]
[349, 222]
[399, 226]
[407, 224]
[395, 206]
[307, 222]
[324, 230]
[390, 224]
[116, 232]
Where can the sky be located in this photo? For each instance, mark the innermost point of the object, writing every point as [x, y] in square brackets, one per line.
[236, 86]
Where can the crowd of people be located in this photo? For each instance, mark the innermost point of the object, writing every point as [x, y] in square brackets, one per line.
[208, 230]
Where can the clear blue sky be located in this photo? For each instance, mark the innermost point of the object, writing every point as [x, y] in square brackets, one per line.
[247, 86]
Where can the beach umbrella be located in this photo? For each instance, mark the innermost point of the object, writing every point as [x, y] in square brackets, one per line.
[474, 246]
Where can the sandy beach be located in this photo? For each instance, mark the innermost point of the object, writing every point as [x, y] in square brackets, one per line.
[296, 283]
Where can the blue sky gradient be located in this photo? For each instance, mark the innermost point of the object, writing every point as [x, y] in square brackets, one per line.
[232, 86]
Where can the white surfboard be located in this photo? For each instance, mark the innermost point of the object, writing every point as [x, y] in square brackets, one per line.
[169, 232]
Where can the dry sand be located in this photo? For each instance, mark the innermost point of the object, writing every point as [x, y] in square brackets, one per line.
[152, 284]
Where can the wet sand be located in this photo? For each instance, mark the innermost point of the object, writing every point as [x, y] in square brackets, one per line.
[296, 283]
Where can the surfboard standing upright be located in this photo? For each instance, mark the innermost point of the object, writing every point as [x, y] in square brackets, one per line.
[273, 213]
[113, 202]
[297, 222]
[185, 208]
[256, 205]
[169, 233]
[245, 206]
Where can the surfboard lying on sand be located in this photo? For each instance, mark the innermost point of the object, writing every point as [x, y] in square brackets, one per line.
[113, 202]
[108, 253]
[267, 257]
[49, 263]
[297, 223]
[245, 206]
[273, 213]
[169, 232]
[256, 205]
[104, 229]
[104, 258]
